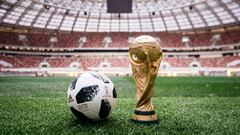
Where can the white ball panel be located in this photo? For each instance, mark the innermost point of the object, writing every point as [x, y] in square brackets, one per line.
[92, 115]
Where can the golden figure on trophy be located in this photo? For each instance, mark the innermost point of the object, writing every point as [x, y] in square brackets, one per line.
[145, 56]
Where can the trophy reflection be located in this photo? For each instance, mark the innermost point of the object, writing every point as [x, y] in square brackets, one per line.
[145, 56]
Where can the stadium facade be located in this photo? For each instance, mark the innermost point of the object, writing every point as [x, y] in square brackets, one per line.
[67, 37]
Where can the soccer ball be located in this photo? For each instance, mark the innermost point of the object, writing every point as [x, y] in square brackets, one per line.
[91, 96]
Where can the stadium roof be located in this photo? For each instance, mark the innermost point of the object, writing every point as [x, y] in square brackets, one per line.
[92, 16]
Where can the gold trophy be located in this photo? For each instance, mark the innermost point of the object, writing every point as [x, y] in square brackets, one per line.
[145, 56]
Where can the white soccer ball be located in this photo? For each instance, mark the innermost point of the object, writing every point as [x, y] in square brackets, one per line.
[91, 96]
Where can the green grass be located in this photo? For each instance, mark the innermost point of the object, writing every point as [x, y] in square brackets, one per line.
[185, 105]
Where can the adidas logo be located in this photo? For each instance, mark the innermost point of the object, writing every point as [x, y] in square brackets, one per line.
[70, 99]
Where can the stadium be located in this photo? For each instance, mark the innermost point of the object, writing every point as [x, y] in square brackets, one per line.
[45, 44]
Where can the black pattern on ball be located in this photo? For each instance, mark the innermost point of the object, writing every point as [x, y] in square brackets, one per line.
[105, 109]
[114, 93]
[100, 78]
[79, 115]
[73, 84]
[87, 94]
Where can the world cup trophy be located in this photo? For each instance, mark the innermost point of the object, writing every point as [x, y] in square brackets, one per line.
[145, 57]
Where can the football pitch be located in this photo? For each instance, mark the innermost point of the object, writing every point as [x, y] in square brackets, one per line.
[185, 105]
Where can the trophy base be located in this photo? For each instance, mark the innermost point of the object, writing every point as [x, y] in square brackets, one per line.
[145, 117]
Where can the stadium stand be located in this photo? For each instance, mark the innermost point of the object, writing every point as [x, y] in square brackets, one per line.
[31, 61]
[118, 40]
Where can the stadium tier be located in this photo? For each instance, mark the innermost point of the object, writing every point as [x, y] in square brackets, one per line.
[116, 40]
[107, 52]
[88, 62]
